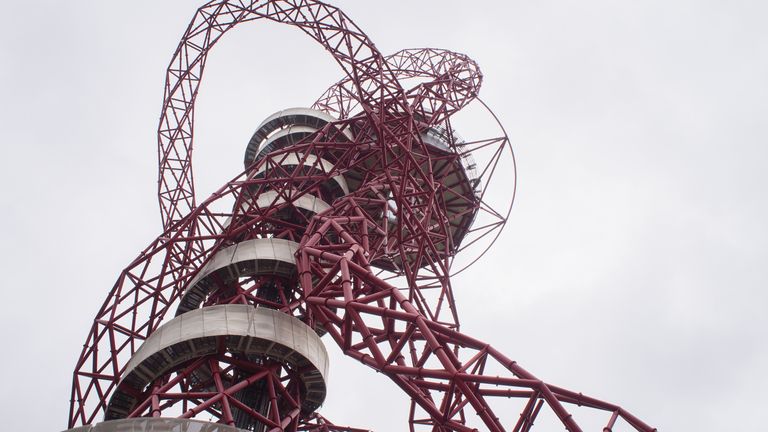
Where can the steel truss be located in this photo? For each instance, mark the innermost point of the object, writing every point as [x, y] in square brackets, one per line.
[373, 270]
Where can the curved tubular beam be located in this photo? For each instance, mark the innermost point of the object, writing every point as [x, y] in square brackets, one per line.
[329, 26]
[455, 82]
[377, 324]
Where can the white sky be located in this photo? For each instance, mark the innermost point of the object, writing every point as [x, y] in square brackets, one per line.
[634, 264]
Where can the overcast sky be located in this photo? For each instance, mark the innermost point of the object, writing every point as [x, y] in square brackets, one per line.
[634, 265]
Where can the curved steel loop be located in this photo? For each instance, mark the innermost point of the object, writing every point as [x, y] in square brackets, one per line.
[329, 26]
[396, 329]
[455, 81]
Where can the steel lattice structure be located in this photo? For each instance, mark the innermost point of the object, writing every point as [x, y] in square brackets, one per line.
[345, 223]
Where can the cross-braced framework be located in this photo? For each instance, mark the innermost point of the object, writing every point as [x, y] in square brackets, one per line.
[345, 222]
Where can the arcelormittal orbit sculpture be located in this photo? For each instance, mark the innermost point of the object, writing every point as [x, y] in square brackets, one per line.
[344, 224]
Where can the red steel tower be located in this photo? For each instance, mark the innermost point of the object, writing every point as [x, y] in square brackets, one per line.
[342, 228]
